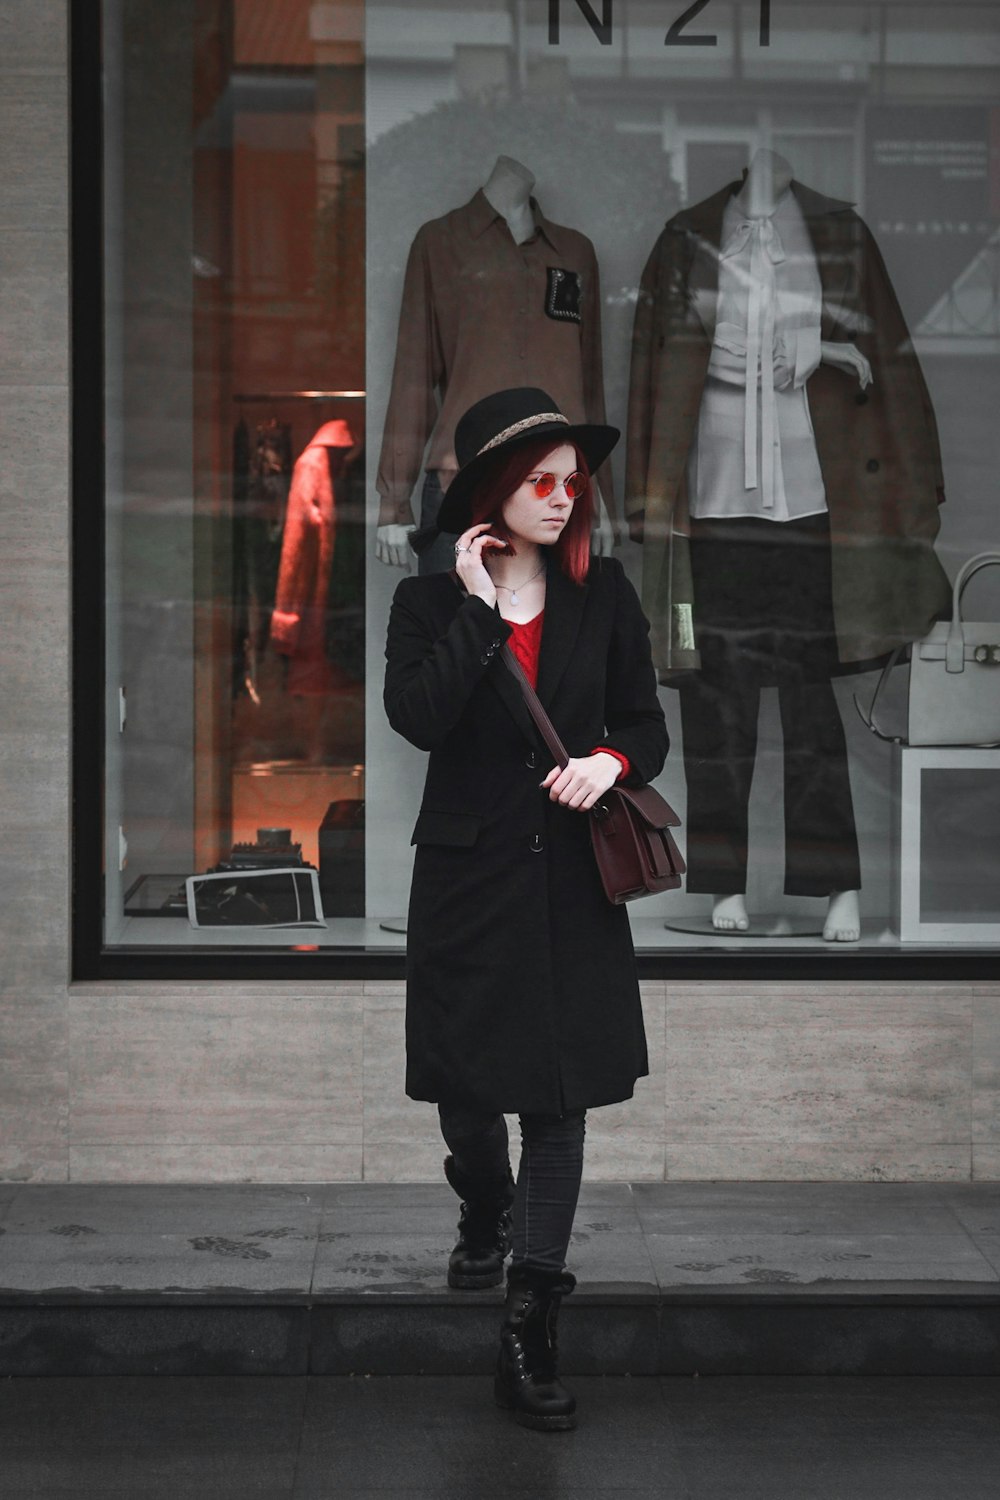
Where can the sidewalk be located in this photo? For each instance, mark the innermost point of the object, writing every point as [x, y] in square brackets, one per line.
[725, 1278]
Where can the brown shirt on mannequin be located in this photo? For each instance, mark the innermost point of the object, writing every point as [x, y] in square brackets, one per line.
[481, 313]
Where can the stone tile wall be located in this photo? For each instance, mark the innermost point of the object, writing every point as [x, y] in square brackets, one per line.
[34, 590]
[212, 1082]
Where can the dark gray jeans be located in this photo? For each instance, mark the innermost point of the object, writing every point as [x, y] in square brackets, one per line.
[548, 1178]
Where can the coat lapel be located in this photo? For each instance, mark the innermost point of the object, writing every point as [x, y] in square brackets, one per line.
[564, 601]
[501, 679]
[704, 223]
[507, 686]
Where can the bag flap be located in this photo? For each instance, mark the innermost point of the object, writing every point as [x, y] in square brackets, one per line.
[650, 806]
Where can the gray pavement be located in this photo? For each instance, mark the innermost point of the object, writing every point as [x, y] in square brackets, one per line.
[427, 1438]
[364, 1239]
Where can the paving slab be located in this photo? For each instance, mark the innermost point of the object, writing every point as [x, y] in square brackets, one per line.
[820, 1259]
[233, 1209]
[800, 1208]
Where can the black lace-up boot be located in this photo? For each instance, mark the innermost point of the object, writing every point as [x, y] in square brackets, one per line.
[484, 1228]
[527, 1382]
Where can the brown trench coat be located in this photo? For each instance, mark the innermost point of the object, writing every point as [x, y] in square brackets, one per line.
[878, 449]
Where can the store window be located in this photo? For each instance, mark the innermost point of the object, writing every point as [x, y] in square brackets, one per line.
[763, 238]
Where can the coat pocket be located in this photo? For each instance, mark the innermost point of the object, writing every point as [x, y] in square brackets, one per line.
[460, 830]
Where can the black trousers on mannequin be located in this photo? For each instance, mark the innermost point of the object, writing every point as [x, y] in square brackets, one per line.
[548, 1177]
[764, 614]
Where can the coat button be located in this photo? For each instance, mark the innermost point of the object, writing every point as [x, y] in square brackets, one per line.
[530, 760]
[484, 661]
[861, 399]
[873, 466]
[536, 846]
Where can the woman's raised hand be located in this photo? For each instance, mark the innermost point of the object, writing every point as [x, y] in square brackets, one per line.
[582, 781]
[469, 563]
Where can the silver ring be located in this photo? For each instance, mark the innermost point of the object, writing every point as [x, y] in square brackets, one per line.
[462, 549]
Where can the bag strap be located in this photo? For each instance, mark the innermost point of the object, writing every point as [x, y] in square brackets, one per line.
[546, 728]
[868, 720]
[955, 649]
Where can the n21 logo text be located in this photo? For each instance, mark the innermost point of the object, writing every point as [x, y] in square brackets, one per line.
[678, 35]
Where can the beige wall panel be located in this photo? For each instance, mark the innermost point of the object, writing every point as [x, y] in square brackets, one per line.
[986, 1070]
[34, 281]
[34, 477]
[33, 163]
[33, 36]
[986, 1163]
[818, 1066]
[415, 1160]
[389, 1115]
[625, 1141]
[34, 1083]
[251, 1161]
[281, 1071]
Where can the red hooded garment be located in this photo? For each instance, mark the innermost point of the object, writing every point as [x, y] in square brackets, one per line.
[298, 622]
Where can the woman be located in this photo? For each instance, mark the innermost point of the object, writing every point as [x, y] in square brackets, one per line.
[521, 982]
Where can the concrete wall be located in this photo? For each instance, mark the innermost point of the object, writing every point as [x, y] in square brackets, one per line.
[157, 1082]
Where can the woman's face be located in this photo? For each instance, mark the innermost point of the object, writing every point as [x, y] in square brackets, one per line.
[531, 519]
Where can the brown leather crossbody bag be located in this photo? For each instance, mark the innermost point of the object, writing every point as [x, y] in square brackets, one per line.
[629, 826]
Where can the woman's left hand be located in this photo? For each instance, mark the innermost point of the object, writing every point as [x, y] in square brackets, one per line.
[579, 784]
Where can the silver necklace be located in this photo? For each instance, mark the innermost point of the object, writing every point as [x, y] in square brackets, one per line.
[513, 591]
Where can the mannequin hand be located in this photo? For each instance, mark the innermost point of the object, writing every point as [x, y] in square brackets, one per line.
[583, 781]
[469, 563]
[392, 545]
[602, 538]
[847, 357]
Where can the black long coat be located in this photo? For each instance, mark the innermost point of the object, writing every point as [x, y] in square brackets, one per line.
[521, 980]
[878, 449]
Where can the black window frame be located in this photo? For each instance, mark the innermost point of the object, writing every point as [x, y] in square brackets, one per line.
[90, 960]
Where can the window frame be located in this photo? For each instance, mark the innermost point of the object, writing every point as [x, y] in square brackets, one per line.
[90, 960]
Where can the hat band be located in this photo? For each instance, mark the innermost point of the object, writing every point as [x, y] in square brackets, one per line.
[523, 426]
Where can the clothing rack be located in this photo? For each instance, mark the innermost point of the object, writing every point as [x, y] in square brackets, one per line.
[247, 397]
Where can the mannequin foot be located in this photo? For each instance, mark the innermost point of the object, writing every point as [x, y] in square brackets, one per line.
[729, 914]
[843, 918]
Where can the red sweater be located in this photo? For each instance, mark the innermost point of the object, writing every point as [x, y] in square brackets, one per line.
[526, 642]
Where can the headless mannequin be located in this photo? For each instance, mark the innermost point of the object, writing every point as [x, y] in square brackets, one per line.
[768, 178]
[766, 182]
[507, 189]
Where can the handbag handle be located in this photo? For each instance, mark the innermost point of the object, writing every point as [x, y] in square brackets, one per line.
[545, 726]
[955, 650]
[868, 719]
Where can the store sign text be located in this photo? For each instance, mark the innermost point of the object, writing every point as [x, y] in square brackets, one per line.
[677, 36]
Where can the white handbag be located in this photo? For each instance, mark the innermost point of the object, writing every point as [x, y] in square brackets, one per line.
[954, 677]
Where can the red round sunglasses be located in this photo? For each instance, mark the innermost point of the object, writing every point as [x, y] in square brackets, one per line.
[544, 484]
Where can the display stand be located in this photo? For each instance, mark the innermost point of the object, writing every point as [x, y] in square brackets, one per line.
[760, 927]
[946, 879]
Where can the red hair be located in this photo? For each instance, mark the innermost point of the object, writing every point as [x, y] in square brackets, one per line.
[572, 547]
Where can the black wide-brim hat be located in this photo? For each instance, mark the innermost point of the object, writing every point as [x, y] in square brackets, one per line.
[488, 432]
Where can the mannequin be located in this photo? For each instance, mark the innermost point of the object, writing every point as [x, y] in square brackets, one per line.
[773, 553]
[507, 191]
[768, 179]
[509, 188]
